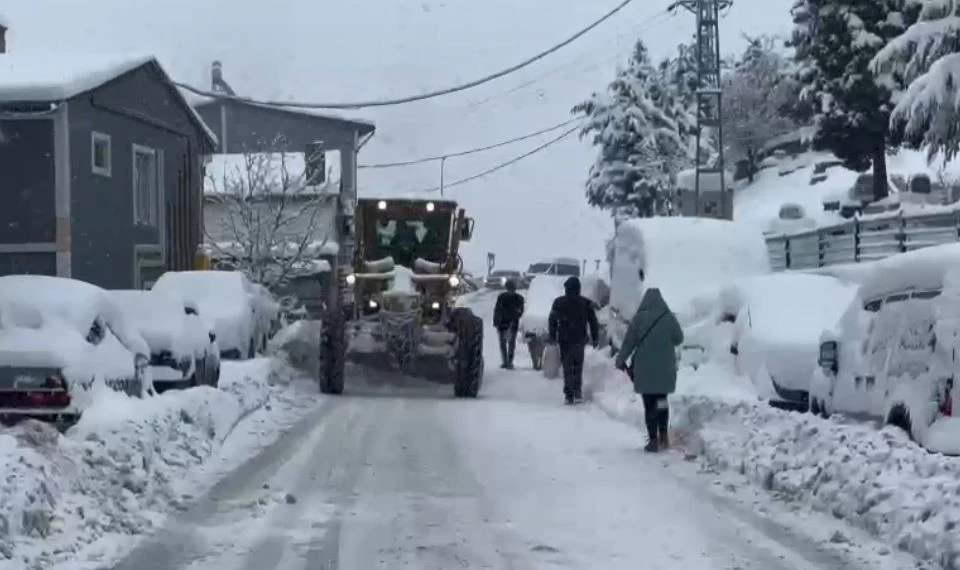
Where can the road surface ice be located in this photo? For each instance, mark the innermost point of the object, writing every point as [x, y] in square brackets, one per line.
[400, 475]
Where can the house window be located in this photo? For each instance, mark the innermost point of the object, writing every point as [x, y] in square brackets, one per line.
[101, 160]
[146, 186]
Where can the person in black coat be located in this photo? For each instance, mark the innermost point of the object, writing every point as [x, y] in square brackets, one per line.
[570, 318]
[506, 319]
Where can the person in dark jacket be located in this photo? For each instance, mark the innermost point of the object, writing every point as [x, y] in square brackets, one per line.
[651, 339]
[506, 319]
[570, 318]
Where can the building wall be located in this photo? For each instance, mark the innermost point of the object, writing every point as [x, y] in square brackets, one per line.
[28, 208]
[109, 249]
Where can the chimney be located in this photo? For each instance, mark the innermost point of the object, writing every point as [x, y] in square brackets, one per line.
[3, 37]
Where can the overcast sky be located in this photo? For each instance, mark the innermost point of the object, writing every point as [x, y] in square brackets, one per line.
[322, 50]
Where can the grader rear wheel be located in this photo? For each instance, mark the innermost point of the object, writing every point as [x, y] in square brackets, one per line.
[333, 349]
[468, 353]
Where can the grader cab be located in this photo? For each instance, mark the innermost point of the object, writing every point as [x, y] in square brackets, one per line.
[397, 309]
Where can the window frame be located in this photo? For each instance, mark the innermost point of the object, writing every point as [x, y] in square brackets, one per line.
[154, 216]
[97, 137]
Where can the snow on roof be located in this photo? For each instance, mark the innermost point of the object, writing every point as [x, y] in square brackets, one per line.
[687, 180]
[38, 76]
[226, 171]
[684, 257]
[922, 269]
[49, 77]
[4, 21]
[197, 99]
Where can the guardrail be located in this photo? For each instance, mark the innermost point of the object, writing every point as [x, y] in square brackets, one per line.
[865, 239]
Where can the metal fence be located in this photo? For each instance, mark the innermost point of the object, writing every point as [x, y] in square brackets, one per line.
[859, 240]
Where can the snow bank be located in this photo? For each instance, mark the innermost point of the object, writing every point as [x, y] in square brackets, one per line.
[116, 471]
[685, 257]
[539, 299]
[875, 479]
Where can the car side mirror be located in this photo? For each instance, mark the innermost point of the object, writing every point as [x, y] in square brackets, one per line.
[466, 229]
[828, 359]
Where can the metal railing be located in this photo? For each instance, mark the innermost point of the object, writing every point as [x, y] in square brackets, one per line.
[865, 239]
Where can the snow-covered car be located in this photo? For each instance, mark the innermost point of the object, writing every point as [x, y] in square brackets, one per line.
[183, 351]
[227, 300]
[60, 339]
[498, 279]
[777, 321]
[534, 322]
[688, 259]
[891, 357]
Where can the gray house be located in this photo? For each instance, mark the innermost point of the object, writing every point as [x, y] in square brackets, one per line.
[101, 165]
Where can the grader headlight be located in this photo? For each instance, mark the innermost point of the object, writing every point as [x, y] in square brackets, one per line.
[454, 281]
[351, 279]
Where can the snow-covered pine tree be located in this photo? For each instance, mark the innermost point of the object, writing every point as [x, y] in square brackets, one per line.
[835, 41]
[755, 95]
[926, 57]
[635, 140]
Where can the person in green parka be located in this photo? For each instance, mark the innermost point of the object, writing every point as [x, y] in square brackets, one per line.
[651, 340]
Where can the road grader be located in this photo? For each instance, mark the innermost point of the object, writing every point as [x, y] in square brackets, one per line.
[395, 310]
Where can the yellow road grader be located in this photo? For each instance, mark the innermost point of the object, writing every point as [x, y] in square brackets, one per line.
[394, 309]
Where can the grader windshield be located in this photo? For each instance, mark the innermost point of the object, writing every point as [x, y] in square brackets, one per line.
[406, 230]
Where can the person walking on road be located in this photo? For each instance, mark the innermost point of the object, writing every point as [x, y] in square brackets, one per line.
[570, 318]
[651, 339]
[506, 319]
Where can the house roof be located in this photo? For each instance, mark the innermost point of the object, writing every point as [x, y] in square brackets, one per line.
[362, 126]
[36, 77]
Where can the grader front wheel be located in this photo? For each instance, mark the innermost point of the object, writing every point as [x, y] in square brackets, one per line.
[468, 354]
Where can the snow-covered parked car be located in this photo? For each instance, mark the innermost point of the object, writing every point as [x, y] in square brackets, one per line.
[183, 350]
[688, 259]
[536, 312]
[228, 301]
[891, 357]
[59, 340]
[268, 313]
[777, 321]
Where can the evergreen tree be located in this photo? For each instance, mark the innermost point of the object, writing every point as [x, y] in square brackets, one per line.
[927, 58]
[835, 42]
[637, 141]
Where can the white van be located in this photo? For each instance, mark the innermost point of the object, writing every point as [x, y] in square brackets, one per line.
[892, 356]
[564, 266]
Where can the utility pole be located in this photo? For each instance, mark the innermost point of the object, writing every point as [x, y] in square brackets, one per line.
[707, 13]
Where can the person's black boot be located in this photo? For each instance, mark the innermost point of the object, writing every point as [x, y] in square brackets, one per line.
[653, 445]
[663, 440]
[568, 399]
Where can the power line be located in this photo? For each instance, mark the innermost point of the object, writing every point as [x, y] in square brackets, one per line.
[576, 62]
[502, 165]
[423, 96]
[469, 151]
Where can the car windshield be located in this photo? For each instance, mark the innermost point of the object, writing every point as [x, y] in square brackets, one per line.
[405, 240]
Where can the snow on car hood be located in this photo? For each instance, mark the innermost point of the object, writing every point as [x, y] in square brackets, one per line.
[58, 345]
[162, 322]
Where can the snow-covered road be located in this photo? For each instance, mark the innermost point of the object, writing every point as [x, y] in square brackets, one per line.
[400, 475]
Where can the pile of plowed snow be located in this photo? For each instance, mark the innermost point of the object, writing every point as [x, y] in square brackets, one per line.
[122, 467]
[878, 480]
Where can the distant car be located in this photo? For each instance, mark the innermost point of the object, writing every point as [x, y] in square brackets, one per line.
[498, 279]
[59, 338]
[183, 350]
[228, 301]
[564, 266]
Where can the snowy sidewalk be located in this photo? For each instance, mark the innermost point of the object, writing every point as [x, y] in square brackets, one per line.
[78, 497]
[877, 480]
